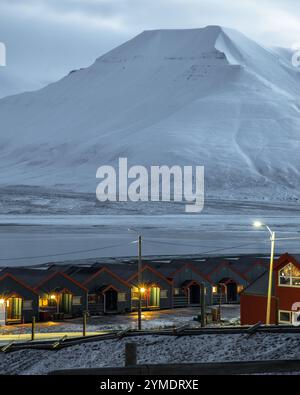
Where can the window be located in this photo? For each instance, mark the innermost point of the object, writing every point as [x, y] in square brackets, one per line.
[215, 290]
[240, 288]
[135, 293]
[285, 317]
[92, 298]
[163, 294]
[43, 302]
[289, 276]
[176, 291]
[76, 300]
[27, 305]
[121, 297]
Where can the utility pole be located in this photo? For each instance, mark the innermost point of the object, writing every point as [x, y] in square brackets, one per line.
[268, 317]
[140, 282]
[259, 224]
[203, 306]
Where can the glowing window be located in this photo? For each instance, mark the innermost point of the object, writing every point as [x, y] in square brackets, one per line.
[289, 276]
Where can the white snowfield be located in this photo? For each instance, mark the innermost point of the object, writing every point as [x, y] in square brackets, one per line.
[208, 96]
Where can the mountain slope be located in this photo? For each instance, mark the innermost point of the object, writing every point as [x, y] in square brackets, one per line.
[207, 96]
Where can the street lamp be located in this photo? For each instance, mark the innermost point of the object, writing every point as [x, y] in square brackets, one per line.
[140, 288]
[259, 224]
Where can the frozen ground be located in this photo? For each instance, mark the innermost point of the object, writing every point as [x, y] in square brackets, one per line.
[155, 349]
[151, 320]
[35, 239]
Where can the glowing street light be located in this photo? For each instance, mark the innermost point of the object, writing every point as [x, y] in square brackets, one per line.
[258, 224]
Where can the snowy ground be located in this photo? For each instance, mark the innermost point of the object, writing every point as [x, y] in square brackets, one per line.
[151, 320]
[155, 349]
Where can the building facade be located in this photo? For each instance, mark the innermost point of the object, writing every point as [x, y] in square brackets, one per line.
[285, 302]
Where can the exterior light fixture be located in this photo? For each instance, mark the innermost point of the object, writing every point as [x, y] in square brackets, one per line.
[258, 224]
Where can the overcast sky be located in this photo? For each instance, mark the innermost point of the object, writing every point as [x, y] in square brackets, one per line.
[45, 39]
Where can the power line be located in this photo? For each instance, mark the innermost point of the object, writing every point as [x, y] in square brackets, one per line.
[215, 250]
[170, 243]
[62, 254]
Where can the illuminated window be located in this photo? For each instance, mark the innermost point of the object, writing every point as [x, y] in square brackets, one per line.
[134, 293]
[176, 291]
[163, 294]
[121, 297]
[215, 289]
[43, 302]
[240, 288]
[289, 276]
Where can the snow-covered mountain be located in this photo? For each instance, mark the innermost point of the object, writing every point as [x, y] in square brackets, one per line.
[12, 84]
[206, 96]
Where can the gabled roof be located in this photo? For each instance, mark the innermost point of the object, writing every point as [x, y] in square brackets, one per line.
[285, 259]
[51, 276]
[260, 286]
[194, 269]
[31, 277]
[106, 270]
[151, 269]
[8, 275]
[226, 264]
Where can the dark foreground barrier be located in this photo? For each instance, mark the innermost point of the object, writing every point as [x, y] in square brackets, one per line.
[195, 369]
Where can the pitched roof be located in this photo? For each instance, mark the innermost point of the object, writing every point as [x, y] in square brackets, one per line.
[31, 277]
[260, 285]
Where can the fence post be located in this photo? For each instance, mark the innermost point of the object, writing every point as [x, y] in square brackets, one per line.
[203, 307]
[84, 323]
[33, 328]
[130, 354]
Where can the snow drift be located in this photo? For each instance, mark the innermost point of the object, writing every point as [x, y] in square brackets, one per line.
[206, 96]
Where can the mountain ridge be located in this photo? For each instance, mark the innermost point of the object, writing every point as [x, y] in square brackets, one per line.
[207, 96]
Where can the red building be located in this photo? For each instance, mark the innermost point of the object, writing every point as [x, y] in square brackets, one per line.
[285, 294]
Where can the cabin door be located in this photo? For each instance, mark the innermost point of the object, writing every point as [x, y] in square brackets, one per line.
[231, 292]
[111, 301]
[154, 297]
[195, 294]
[66, 303]
[14, 309]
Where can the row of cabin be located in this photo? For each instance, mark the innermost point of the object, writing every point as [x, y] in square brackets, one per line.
[68, 289]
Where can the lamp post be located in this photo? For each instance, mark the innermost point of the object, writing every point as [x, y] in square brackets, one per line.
[258, 224]
[141, 290]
